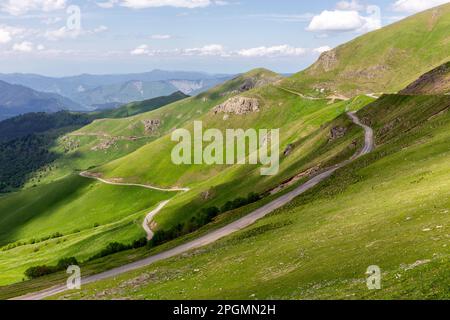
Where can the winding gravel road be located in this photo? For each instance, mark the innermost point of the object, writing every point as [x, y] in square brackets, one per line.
[222, 232]
[149, 217]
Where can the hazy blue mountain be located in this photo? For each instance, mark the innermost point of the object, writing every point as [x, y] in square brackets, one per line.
[93, 90]
[18, 99]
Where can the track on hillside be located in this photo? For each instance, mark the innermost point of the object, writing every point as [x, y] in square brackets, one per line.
[221, 232]
[149, 217]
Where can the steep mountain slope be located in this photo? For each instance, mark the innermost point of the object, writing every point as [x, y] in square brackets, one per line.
[296, 117]
[139, 107]
[48, 212]
[73, 216]
[34, 144]
[389, 209]
[386, 60]
[107, 139]
[17, 99]
[437, 81]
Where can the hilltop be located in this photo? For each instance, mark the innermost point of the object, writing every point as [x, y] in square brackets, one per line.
[385, 60]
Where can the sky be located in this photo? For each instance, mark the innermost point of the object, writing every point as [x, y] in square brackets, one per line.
[67, 37]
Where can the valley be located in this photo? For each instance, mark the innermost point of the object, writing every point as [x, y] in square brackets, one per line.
[362, 179]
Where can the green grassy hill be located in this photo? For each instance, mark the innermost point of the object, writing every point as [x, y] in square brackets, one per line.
[389, 208]
[74, 216]
[437, 81]
[299, 119]
[385, 60]
[134, 108]
[72, 205]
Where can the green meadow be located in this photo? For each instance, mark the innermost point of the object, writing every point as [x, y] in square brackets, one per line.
[389, 208]
[87, 214]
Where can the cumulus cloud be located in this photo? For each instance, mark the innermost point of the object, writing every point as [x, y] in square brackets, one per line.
[208, 50]
[107, 4]
[275, 51]
[61, 33]
[141, 4]
[140, 50]
[5, 36]
[220, 51]
[322, 49]
[19, 7]
[66, 33]
[9, 33]
[413, 6]
[23, 47]
[345, 20]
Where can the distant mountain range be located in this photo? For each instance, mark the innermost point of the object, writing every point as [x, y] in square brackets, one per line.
[100, 91]
[17, 99]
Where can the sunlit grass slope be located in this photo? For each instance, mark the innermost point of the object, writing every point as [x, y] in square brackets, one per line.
[389, 208]
[385, 60]
[87, 214]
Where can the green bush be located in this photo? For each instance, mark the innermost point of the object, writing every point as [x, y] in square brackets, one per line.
[66, 262]
[39, 271]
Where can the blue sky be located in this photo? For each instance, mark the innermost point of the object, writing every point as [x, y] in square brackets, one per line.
[216, 36]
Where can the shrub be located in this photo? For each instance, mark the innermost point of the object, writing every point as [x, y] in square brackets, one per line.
[139, 243]
[66, 262]
[39, 271]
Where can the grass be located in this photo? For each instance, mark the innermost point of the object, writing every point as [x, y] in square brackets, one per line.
[301, 122]
[385, 60]
[389, 208]
[79, 150]
[87, 213]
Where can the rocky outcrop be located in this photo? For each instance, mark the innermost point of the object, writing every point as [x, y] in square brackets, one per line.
[237, 105]
[105, 144]
[337, 132]
[151, 126]
[327, 61]
[437, 81]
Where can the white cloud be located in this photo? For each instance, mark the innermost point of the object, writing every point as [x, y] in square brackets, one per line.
[107, 4]
[19, 7]
[61, 33]
[322, 49]
[5, 36]
[343, 21]
[275, 51]
[140, 50]
[413, 6]
[349, 5]
[23, 47]
[221, 3]
[66, 33]
[218, 50]
[141, 4]
[161, 36]
[9, 33]
[208, 50]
